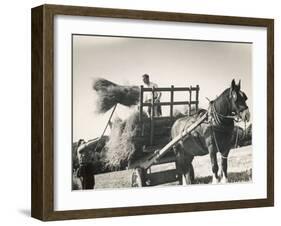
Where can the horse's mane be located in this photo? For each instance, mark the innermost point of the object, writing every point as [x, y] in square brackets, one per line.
[222, 103]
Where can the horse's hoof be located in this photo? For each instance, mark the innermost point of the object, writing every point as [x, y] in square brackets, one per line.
[215, 181]
[221, 173]
[224, 180]
[184, 183]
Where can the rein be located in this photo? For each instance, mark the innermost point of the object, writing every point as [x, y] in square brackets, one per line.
[216, 117]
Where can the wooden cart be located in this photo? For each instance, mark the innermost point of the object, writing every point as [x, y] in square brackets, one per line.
[158, 149]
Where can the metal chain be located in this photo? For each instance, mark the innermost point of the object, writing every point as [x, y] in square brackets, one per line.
[236, 140]
[216, 143]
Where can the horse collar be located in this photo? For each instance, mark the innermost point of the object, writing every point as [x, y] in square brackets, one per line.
[217, 117]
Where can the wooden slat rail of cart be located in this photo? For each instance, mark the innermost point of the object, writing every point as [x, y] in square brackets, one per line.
[189, 102]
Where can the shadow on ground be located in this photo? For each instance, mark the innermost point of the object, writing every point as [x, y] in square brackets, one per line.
[232, 178]
[25, 212]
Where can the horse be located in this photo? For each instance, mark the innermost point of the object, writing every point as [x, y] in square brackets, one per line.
[212, 136]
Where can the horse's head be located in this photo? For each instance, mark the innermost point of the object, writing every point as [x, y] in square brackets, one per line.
[238, 101]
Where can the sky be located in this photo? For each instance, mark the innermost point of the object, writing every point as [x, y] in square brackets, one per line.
[211, 65]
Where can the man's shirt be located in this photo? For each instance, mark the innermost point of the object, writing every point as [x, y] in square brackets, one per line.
[148, 95]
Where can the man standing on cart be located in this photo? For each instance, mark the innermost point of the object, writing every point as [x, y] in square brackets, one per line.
[148, 98]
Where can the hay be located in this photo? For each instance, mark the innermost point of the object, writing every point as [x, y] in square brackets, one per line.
[109, 94]
[126, 141]
[122, 145]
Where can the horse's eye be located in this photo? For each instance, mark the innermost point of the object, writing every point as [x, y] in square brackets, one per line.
[243, 96]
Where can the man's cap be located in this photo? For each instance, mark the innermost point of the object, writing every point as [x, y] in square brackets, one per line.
[145, 76]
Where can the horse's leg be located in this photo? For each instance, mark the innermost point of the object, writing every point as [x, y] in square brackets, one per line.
[214, 163]
[180, 172]
[224, 170]
[192, 173]
[189, 172]
[182, 164]
[179, 163]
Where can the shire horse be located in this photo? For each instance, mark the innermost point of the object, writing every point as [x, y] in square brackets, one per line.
[212, 136]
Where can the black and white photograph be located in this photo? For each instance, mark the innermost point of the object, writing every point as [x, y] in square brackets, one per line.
[160, 112]
[140, 112]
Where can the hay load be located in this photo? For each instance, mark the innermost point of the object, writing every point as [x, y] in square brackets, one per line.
[123, 144]
[109, 94]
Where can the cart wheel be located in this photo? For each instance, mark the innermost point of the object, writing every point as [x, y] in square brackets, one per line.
[138, 178]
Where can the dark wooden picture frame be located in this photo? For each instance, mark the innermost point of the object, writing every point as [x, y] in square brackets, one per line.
[43, 111]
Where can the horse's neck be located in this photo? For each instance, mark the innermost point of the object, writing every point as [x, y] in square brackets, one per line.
[222, 104]
[223, 108]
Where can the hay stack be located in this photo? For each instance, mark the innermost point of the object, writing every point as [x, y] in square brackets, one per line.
[109, 94]
[126, 142]
[122, 145]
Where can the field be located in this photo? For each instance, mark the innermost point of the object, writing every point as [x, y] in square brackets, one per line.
[239, 168]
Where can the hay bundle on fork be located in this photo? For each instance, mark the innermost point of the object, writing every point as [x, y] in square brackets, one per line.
[109, 94]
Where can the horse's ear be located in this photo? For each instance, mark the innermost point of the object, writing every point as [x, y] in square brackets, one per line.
[239, 85]
[232, 84]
